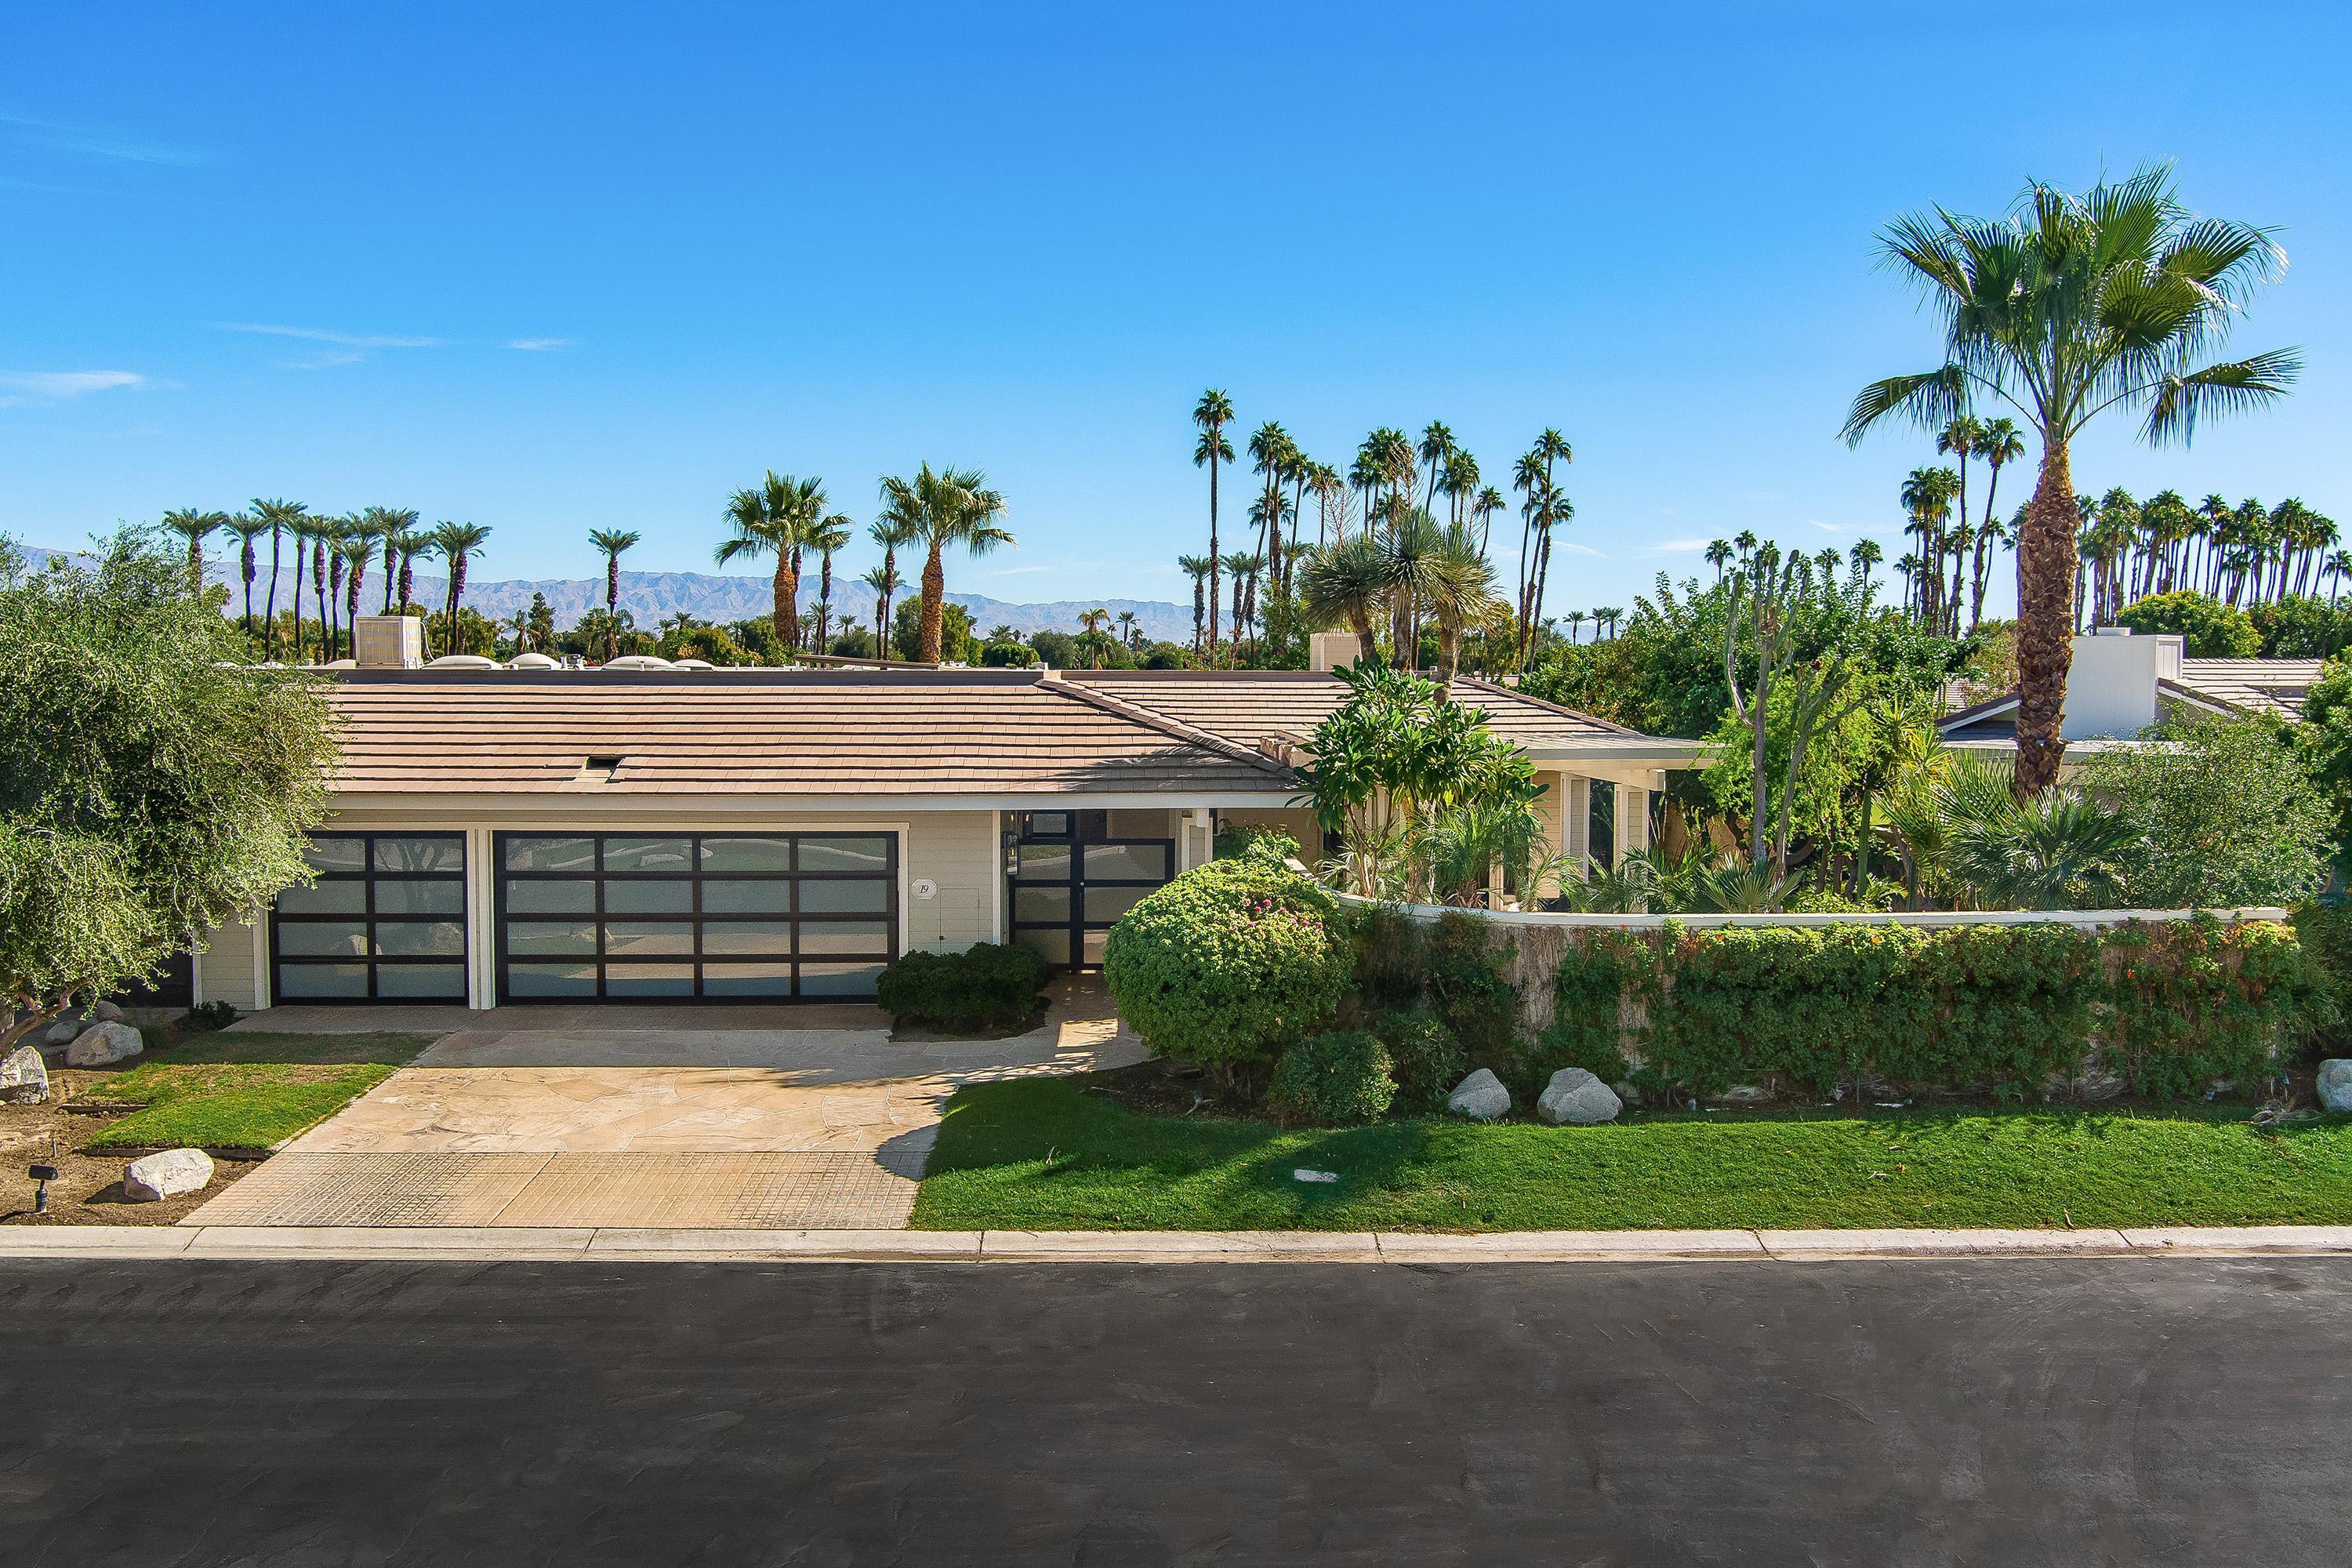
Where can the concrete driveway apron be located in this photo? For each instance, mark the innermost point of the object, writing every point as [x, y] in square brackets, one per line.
[651, 1117]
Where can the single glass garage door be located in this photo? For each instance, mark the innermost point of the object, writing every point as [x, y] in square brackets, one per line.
[384, 921]
[710, 917]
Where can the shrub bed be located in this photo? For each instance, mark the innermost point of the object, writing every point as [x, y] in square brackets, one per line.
[984, 986]
[1334, 1079]
[2170, 1008]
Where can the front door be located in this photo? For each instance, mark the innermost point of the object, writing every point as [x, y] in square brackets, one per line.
[1071, 880]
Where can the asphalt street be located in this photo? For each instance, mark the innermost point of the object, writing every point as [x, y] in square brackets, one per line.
[2172, 1411]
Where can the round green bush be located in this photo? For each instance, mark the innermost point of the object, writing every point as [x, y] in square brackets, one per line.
[1339, 1079]
[984, 985]
[1424, 1057]
[1228, 964]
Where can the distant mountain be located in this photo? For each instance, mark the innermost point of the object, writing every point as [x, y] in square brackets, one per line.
[653, 597]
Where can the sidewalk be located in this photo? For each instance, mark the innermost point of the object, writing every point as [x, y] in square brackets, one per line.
[528, 1244]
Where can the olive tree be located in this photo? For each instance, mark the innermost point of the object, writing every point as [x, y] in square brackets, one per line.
[151, 786]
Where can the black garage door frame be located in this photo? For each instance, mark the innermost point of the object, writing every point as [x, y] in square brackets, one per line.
[815, 948]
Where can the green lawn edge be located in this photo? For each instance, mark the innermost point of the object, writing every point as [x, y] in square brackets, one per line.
[1045, 1154]
[241, 1091]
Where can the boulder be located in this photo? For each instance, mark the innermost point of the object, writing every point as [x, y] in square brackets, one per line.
[1574, 1098]
[106, 1013]
[61, 1030]
[24, 1078]
[2336, 1083]
[102, 1043]
[1480, 1096]
[167, 1175]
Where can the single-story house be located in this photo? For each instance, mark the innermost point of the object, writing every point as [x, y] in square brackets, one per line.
[2122, 683]
[518, 835]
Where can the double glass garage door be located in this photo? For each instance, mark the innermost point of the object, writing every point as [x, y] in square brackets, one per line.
[734, 917]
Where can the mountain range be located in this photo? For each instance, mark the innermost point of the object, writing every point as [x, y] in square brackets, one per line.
[651, 597]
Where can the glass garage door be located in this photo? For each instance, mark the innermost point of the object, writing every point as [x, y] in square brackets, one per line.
[721, 918]
[384, 921]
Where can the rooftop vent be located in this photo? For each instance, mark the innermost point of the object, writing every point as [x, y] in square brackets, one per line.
[462, 661]
[638, 661]
[600, 769]
[534, 662]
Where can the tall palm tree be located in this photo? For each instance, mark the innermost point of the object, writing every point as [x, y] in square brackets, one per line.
[614, 543]
[193, 525]
[1090, 635]
[394, 521]
[455, 542]
[952, 506]
[829, 534]
[893, 537]
[1437, 450]
[1719, 555]
[1483, 508]
[1272, 452]
[247, 528]
[1865, 554]
[327, 544]
[1196, 567]
[1575, 619]
[408, 544]
[2069, 306]
[1239, 565]
[359, 549]
[1959, 439]
[305, 529]
[1345, 582]
[1459, 588]
[1460, 485]
[883, 580]
[1127, 633]
[1210, 414]
[281, 516]
[776, 518]
[1926, 495]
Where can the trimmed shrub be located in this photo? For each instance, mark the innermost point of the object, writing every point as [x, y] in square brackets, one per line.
[1228, 964]
[1242, 842]
[1338, 1078]
[1424, 1057]
[2209, 628]
[984, 985]
[2170, 1007]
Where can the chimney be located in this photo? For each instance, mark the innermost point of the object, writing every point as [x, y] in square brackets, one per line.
[1328, 651]
[388, 642]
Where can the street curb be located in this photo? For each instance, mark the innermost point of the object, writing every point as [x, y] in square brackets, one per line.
[496, 1243]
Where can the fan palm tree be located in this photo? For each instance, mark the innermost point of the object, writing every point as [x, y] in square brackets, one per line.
[193, 526]
[1210, 414]
[408, 544]
[1197, 567]
[394, 521]
[613, 542]
[883, 580]
[831, 534]
[2069, 307]
[455, 542]
[1489, 501]
[776, 518]
[1127, 632]
[359, 549]
[1239, 565]
[1343, 584]
[1719, 555]
[326, 546]
[952, 506]
[1090, 635]
[1865, 554]
[279, 515]
[247, 528]
[893, 537]
[305, 529]
[1271, 451]
[1437, 450]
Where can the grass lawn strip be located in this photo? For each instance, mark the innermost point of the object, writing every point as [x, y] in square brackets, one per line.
[235, 1090]
[1047, 1155]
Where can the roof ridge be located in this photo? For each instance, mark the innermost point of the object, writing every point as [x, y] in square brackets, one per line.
[1175, 728]
[1484, 684]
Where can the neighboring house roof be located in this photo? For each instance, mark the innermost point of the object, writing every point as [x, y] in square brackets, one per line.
[2272, 686]
[895, 733]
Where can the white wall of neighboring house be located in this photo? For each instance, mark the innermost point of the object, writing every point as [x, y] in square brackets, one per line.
[2111, 690]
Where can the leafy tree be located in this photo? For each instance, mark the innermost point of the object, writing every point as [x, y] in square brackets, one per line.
[956, 644]
[2300, 626]
[2212, 629]
[2227, 811]
[2071, 306]
[2325, 739]
[151, 786]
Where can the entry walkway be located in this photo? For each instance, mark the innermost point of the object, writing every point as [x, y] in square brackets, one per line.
[660, 1120]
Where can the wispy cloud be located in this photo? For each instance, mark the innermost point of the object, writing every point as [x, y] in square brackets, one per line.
[1826, 527]
[1015, 571]
[93, 144]
[540, 345]
[20, 387]
[1572, 548]
[340, 340]
[1679, 547]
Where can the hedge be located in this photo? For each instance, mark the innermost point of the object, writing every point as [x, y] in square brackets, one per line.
[2169, 1008]
[984, 985]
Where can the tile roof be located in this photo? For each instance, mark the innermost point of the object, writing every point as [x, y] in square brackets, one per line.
[768, 732]
[2257, 685]
[1252, 705]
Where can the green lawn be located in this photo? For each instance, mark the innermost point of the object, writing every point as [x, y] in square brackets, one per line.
[234, 1091]
[1047, 1155]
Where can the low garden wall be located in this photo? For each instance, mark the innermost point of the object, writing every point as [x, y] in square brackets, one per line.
[2090, 1003]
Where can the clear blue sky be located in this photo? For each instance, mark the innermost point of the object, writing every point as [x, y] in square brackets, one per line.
[552, 269]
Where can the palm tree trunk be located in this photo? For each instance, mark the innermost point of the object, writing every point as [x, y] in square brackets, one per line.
[245, 565]
[1213, 583]
[301, 548]
[2046, 560]
[269, 613]
[612, 605]
[935, 586]
[785, 616]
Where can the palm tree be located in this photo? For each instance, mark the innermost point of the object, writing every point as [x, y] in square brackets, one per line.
[359, 549]
[953, 506]
[455, 543]
[892, 537]
[829, 534]
[1489, 502]
[304, 528]
[326, 542]
[1197, 567]
[1575, 619]
[883, 580]
[614, 543]
[1345, 582]
[1926, 495]
[1127, 632]
[394, 521]
[1459, 588]
[1090, 635]
[1437, 450]
[2069, 307]
[1865, 554]
[247, 528]
[1958, 439]
[281, 516]
[1719, 555]
[1240, 563]
[408, 544]
[1212, 414]
[776, 519]
[194, 526]
[1272, 452]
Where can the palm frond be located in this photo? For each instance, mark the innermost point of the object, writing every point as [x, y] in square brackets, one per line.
[1927, 398]
[2181, 400]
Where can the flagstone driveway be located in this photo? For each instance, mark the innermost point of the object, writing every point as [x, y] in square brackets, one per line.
[648, 1117]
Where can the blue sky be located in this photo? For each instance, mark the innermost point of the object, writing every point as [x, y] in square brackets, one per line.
[555, 268]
